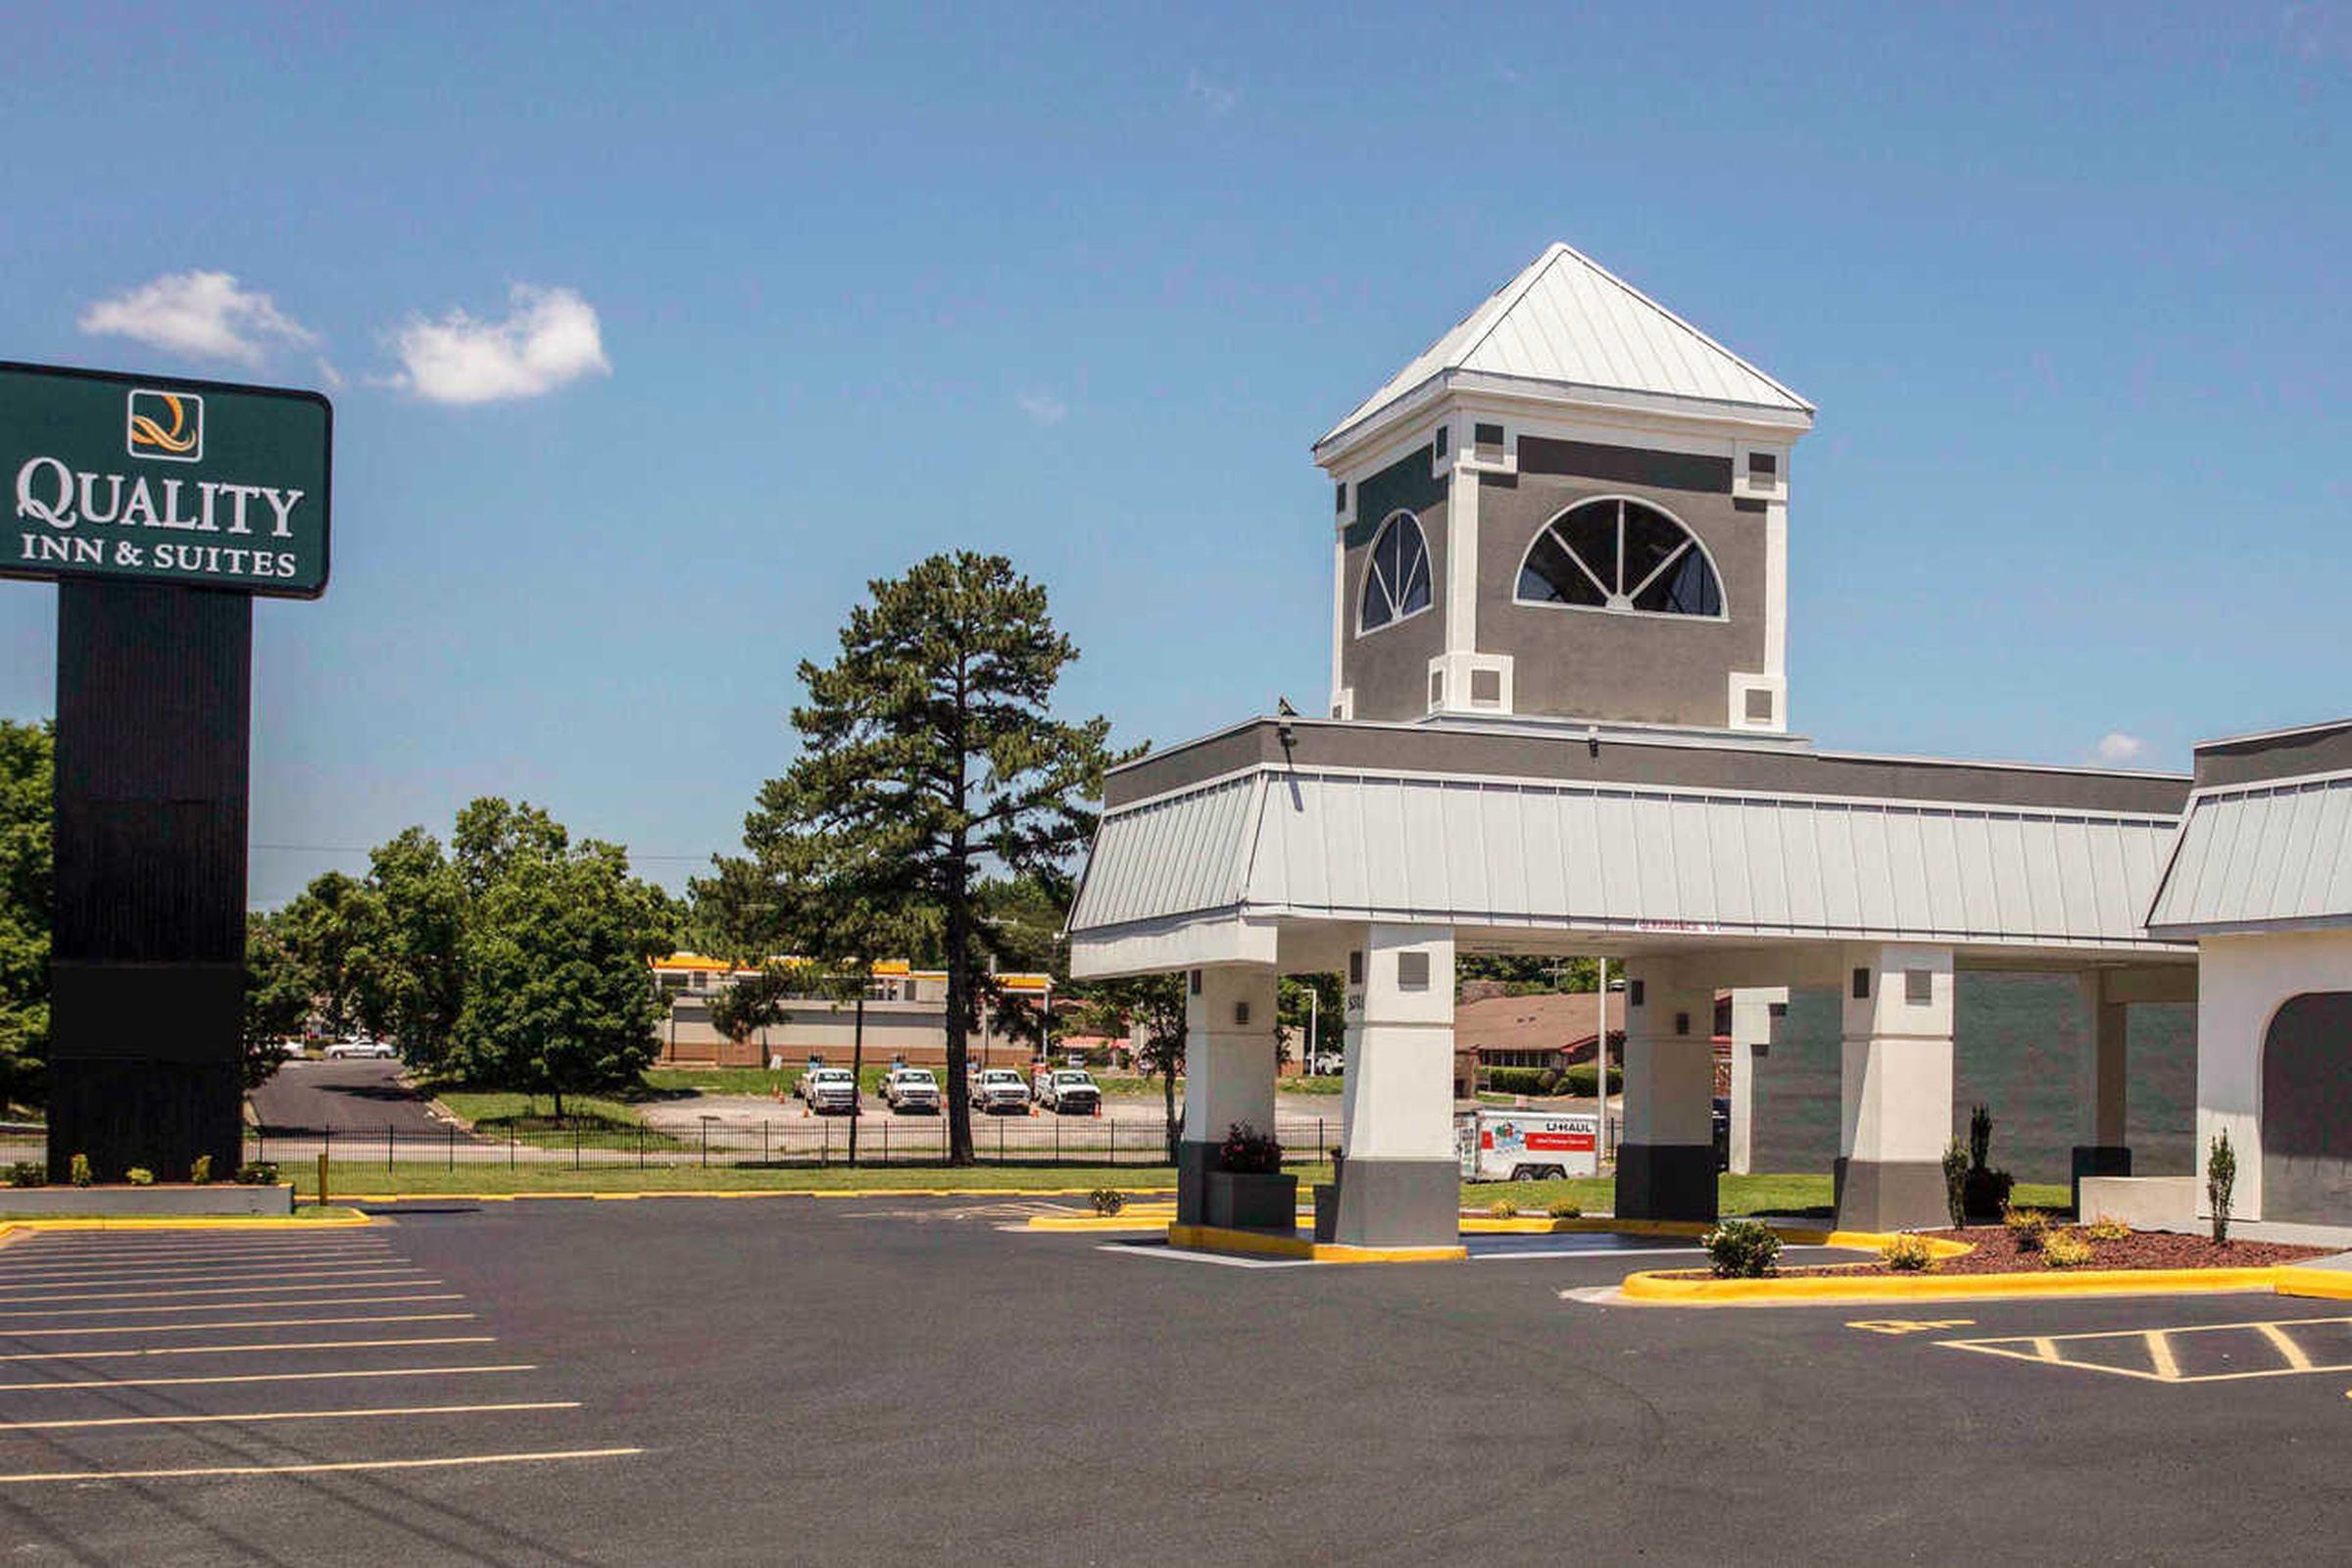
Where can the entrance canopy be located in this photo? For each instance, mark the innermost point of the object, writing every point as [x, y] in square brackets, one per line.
[1619, 841]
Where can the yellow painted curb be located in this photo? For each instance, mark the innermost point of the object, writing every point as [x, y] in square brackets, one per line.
[2324, 1284]
[1253, 1244]
[1799, 1236]
[1824, 1290]
[187, 1222]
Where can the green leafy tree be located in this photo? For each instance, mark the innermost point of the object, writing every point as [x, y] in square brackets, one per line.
[558, 997]
[408, 974]
[277, 995]
[1305, 1001]
[26, 794]
[1149, 1008]
[753, 1002]
[929, 757]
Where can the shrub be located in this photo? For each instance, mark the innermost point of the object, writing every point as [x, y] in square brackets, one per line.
[1956, 1184]
[2029, 1228]
[1907, 1253]
[1579, 1079]
[1979, 1137]
[1743, 1249]
[1566, 1209]
[2221, 1179]
[1502, 1208]
[1247, 1151]
[1548, 1081]
[200, 1171]
[28, 1173]
[258, 1173]
[2105, 1229]
[77, 1171]
[2065, 1250]
[139, 1176]
[1107, 1201]
[1518, 1080]
[1985, 1193]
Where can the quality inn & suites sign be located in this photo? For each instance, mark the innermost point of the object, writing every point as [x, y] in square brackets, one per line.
[193, 484]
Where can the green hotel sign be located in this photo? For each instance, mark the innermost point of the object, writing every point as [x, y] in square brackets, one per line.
[196, 484]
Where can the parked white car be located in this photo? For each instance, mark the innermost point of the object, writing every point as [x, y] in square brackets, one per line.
[908, 1090]
[830, 1089]
[998, 1088]
[359, 1047]
[1067, 1092]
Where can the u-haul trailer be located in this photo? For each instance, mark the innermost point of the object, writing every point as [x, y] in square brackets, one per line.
[1525, 1146]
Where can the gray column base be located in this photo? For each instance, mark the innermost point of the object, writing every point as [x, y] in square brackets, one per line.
[1399, 1203]
[1904, 1195]
[1194, 1162]
[1665, 1181]
[2097, 1159]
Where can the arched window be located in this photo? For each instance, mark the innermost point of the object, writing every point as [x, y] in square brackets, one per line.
[1622, 555]
[1397, 575]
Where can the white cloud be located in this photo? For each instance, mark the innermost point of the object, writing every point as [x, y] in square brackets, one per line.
[203, 315]
[1215, 100]
[2116, 748]
[550, 337]
[1044, 408]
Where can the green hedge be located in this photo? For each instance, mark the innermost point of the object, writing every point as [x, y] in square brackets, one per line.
[1575, 1080]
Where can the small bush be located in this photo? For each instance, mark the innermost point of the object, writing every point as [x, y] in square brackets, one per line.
[1979, 1137]
[1247, 1151]
[1518, 1080]
[1907, 1253]
[77, 1171]
[1107, 1201]
[1955, 1183]
[1579, 1079]
[28, 1173]
[200, 1171]
[1743, 1249]
[1986, 1193]
[2105, 1229]
[1566, 1209]
[1548, 1081]
[139, 1176]
[1502, 1208]
[2029, 1228]
[258, 1173]
[2065, 1250]
[2220, 1181]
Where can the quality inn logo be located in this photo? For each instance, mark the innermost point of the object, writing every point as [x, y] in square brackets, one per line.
[167, 424]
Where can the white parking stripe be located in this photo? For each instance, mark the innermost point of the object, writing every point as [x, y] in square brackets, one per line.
[251, 1323]
[384, 1412]
[452, 1462]
[265, 1377]
[365, 1279]
[229, 1306]
[25, 1256]
[248, 1349]
[208, 1273]
[16, 1262]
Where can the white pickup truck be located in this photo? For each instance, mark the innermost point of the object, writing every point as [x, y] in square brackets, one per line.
[910, 1089]
[999, 1089]
[828, 1089]
[1525, 1146]
[1066, 1092]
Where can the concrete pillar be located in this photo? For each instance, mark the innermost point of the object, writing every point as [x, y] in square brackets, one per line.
[1666, 1159]
[1229, 1057]
[1401, 1183]
[2102, 1145]
[1751, 1036]
[1896, 1080]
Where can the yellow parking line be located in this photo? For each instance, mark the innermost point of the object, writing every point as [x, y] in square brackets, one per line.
[2160, 1356]
[2291, 1353]
[234, 1283]
[2047, 1349]
[244, 1349]
[255, 1323]
[227, 1290]
[81, 1423]
[229, 1306]
[338, 1466]
[265, 1377]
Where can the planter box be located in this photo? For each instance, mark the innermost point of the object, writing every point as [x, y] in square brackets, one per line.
[1327, 1211]
[215, 1200]
[1249, 1202]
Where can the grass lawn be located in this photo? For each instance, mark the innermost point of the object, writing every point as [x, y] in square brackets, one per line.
[531, 1118]
[1807, 1194]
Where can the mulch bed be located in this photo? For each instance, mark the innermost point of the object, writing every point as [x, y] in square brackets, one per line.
[1997, 1253]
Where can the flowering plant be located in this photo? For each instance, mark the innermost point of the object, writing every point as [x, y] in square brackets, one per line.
[1248, 1152]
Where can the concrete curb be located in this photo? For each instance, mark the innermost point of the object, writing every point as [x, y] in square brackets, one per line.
[1254, 1244]
[1654, 1289]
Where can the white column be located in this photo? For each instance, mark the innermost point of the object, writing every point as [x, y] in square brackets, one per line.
[1401, 1183]
[1896, 1087]
[1229, 1059]
[1666, 1158]
[1752, 1032]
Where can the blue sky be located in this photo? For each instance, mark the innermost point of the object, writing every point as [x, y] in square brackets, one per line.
[805, 296]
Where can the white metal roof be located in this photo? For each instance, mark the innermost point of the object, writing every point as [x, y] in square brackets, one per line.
[1567, 319]
[1640, 860]
[2261, 856]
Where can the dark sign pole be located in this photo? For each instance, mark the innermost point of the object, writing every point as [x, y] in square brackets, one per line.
[160, 507]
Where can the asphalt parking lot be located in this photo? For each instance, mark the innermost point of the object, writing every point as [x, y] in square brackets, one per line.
[889, 1380]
